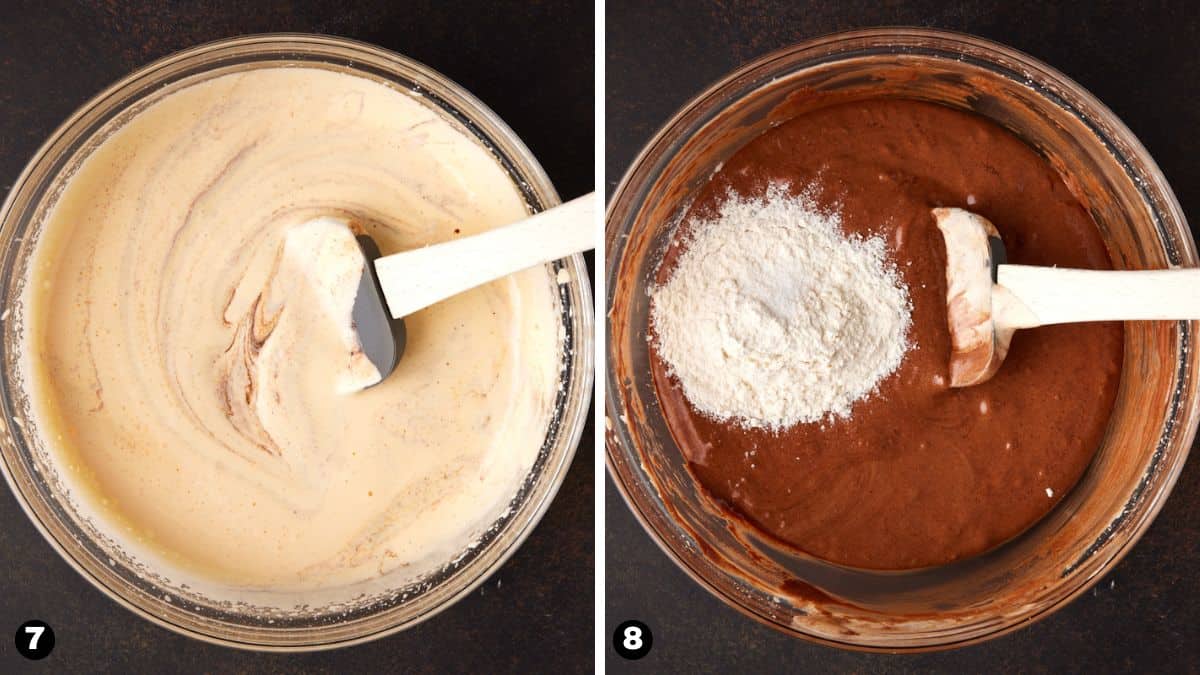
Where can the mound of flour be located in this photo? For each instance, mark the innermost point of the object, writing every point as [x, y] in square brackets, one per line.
[772, 317]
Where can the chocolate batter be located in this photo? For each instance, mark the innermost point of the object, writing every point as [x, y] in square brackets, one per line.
[920, 474]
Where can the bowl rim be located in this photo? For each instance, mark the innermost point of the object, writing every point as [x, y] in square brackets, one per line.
[580, 362]
[642, 167]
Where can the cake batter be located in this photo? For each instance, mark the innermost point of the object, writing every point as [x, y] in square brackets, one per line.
[184, 360]
[918, 473]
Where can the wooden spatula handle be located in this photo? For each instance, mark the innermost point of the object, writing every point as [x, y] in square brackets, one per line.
[1056, 295]
[416, 279]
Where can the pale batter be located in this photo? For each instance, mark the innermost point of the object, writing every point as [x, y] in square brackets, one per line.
[184, 361]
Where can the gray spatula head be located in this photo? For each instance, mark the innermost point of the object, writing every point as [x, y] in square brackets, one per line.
[382, 337]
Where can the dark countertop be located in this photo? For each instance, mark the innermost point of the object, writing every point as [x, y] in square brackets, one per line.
[1140, 59]
[533, 64]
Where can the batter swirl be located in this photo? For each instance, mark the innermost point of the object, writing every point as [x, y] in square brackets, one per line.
[188, 348]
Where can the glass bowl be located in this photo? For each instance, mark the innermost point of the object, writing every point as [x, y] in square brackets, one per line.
[1147, 439]
[278, 621]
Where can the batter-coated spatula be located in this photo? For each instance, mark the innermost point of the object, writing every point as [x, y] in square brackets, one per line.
[394, 286]
[987, 299]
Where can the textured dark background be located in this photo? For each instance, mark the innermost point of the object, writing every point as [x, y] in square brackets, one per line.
[532, 63]
[1138, 57]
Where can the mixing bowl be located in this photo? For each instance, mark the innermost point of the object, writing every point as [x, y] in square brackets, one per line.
[275, 620]
[1147, 439]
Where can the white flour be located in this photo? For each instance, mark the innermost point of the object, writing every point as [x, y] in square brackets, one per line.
[772, 317]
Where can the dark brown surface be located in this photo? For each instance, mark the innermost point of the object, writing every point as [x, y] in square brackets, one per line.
[533, 65]
[921, 474]
[1141, 617]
